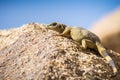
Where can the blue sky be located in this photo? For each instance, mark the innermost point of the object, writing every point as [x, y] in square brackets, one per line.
[15, 13]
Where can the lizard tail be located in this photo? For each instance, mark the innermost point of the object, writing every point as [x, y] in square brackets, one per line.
[104, 54]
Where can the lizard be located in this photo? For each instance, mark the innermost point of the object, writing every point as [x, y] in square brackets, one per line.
[85, 38]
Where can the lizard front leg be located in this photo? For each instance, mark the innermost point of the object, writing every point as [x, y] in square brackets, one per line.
[65, 33]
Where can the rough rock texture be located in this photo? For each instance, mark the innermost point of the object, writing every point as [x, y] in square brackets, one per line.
[108, 29]
[34, 54]
[8, 37]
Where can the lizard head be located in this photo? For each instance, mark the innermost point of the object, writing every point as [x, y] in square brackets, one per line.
[56, 27]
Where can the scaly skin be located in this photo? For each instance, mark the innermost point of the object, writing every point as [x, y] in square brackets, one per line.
[85, 38]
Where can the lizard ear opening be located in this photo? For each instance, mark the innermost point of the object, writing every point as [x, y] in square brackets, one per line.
[60, 26]
[63, 26]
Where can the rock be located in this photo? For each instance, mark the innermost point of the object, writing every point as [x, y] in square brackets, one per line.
[108, 29]
[35, 54]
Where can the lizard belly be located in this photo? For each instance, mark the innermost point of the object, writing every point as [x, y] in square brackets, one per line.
[76, 34]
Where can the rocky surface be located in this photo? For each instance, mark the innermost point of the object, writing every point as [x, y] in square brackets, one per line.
[108, 29]
[32, 53]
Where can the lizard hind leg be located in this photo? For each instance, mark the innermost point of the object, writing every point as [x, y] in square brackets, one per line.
[88, 44]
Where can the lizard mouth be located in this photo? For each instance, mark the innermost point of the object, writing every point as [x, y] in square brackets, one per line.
[51, 28]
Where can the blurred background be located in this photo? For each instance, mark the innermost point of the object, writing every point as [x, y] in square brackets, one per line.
[15, 13]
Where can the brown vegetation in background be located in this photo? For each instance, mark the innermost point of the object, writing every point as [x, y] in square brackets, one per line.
[108, 29]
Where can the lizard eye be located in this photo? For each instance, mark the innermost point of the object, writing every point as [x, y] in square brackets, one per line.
[53, 24]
